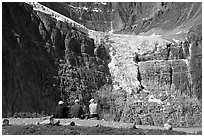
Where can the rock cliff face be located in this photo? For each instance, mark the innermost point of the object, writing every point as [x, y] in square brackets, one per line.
[45, 60]
[152, 78]
[155, 74]
[28, 68]
[152, 72]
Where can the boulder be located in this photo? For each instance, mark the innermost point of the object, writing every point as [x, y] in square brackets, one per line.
[167, 127]
[97, 125]
[134, 126]
[5, 122]
[72, 123]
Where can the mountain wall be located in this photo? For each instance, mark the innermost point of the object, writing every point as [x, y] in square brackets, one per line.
[146, 18]
[28, 71]
[93, 15]
[152, 72]
[45, 60]
[150, 77]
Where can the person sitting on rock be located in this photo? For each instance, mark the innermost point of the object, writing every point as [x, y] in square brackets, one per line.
[93, 109]
[61, 110]
[77, 110]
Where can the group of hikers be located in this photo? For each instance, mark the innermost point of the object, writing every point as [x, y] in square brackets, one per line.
[77, 111]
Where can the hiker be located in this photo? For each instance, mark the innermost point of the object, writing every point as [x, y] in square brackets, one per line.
[61, 110]
[93, 109]
[77, 110]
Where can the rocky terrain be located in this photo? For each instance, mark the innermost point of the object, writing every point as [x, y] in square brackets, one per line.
[72, 126]
[80, 130]
[150, 77]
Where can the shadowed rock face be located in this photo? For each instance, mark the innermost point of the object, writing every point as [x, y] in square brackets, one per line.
[45, 60]
[28, 69]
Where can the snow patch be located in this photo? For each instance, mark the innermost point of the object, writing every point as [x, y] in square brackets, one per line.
[179, 32]
[153, 35]
[38, 7]
[177, 41]
[73, 7]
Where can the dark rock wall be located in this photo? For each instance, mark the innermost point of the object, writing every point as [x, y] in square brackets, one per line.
[28, 70]
[45, 60]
